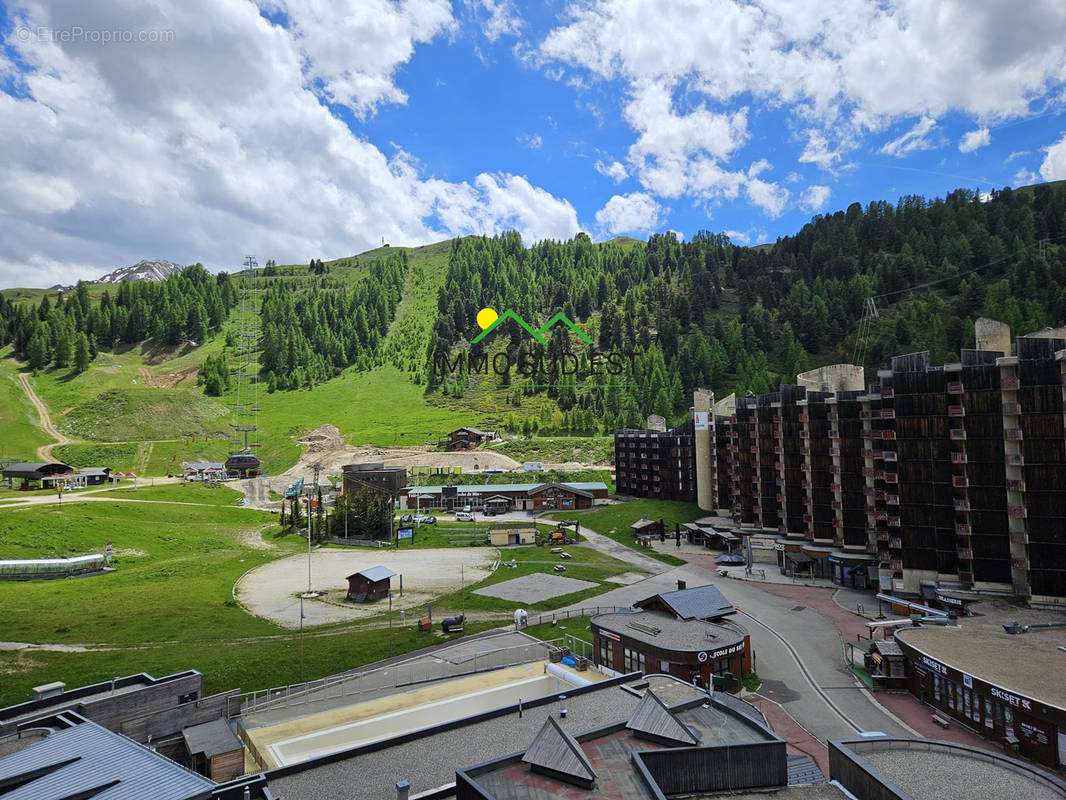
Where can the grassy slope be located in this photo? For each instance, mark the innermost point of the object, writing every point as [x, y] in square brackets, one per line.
[18, 419]
[614, 521]
[556, 449]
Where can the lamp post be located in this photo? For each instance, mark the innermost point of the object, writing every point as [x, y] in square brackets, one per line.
[308, 548]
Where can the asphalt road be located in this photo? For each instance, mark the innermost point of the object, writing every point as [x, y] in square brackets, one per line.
[798, 653]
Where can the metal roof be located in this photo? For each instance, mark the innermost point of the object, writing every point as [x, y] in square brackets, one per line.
[27, 469]
[699, 602]
[495, 488]
[211, 738]
[374, 574]
[87, 760]
[94, 470]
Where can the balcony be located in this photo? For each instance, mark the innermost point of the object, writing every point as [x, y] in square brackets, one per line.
[965, 576]
[1009, 383]
[868, 472]
[1020, 563]
[895, 542]
[1012, 409]
[1016, 512]
[883, 555]
[893, 522]
[891, 477]
[836, 505]
[808, 518]
[834, 451]
[956, 411]
[958, 458]
[962, 505]
[882, 536]
[805, 467]
[805, 451]
[1014, 460]
[888, 413]
[888, 455]
[832, 416]
[896, 565]
[958, 434]
[892, 499]
[881, 515]
[1018, 538]
[867, 453]
[962, 529]
[1015, 485]
[888, 435]
[886, 391]
[805, 484]
[837, 523]
[865, 414]
[1013, 434]
[802, 416]
[960, 481]
[955, 387]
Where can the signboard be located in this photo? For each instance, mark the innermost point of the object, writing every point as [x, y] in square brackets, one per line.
[936, 666]
[610, 635]
[702, 657]
[1013, 699]
[405, 533]
[725, 651]
[949, 601]
[967, 680]
[700, 418]
[1038, 735]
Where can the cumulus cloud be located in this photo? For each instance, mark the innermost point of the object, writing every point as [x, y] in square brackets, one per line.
[630, 213]
[1054, 166]
[217, 144]
[502, 19]
[841, 71]
[767, 195]
[814, 198]
[914, 139]
[613, 170]
[975, 139]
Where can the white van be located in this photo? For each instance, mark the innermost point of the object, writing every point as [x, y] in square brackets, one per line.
[464, 516]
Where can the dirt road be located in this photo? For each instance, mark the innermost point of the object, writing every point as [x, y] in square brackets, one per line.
[44, 452]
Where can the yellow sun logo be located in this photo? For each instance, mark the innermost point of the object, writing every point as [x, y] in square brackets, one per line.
[486, 317]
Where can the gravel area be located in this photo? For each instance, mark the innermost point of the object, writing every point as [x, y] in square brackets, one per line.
[930, 774]
[273, 590]
[534, 588]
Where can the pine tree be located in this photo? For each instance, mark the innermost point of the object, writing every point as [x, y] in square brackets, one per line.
[82, 355]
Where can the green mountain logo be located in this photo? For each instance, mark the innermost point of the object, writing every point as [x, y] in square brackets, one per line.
[488, 320]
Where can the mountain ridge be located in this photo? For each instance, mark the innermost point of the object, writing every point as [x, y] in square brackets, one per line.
[156, 269]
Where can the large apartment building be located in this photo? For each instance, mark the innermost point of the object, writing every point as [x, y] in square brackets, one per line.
[934, 475]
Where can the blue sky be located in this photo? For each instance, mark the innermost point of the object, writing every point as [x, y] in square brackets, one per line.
[207, 129]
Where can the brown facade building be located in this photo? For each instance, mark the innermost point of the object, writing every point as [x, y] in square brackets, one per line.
[469, 438]
[653, 463]
[935, 475]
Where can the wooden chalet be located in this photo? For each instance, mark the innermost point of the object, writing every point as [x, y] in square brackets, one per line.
[370, 584]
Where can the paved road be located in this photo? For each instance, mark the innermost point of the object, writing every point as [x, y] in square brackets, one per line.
[799, 653]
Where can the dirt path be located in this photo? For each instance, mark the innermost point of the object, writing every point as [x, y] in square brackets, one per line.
[44, 452]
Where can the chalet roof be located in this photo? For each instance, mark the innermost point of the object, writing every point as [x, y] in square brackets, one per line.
[569, 487]
[654, 720]
[556, 750]
[34, 470]
[699, 602]
[641, 524]
[888, 647]
[94, 470]
[87, 760]
[475, 431]
[373, 574]
[211, 738]
[200, 466]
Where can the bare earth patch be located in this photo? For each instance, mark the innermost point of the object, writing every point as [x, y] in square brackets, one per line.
[273, 590]
[627, 578]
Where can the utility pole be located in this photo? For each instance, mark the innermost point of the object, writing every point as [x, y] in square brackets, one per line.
[301, 639]
[308, 544]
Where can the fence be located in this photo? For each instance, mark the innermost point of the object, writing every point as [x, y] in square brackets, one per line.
[573, 612]
[328, 691]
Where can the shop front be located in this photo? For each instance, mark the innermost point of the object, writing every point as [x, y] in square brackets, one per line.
[853, 570]
[1021, 724]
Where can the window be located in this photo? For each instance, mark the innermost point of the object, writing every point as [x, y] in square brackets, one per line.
[936, 688]
[1008, 721]
[633, 660]
[605, 651]
[958, 698]
[989, 721]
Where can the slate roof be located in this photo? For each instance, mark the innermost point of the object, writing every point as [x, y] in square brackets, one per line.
[373, 574]
[87, 760]
[654, 720]
[556, 750]
[699, 602]
[211, 738]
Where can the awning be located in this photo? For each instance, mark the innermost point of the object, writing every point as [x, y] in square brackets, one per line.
[797, 557]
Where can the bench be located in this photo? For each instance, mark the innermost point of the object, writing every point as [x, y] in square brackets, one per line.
[939, 720]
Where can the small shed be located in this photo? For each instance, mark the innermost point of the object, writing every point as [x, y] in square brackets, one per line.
[499, 537]
[647, 527]
[370, 584]
[95, 476]
[214, 750]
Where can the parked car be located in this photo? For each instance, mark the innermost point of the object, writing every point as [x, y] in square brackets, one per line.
[490, 512]
[419, 518]
[464, 516]
[406, 518]
[430, 520]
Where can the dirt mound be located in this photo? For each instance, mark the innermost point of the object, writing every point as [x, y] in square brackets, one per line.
[323, 439]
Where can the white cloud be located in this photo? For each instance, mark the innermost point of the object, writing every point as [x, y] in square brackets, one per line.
[975, 139]
[1025, 177]
[630, 213]
[914, 139]
[840, 70]
[613, 170]
[1054, 166]
[817, 151]
[533, 141]
[503, 19]
[213, 145]
[814, 198]
[767, 195]
[1017, 154]
[353, 47]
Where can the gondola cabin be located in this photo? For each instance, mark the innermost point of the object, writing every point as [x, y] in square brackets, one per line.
[243, 465]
